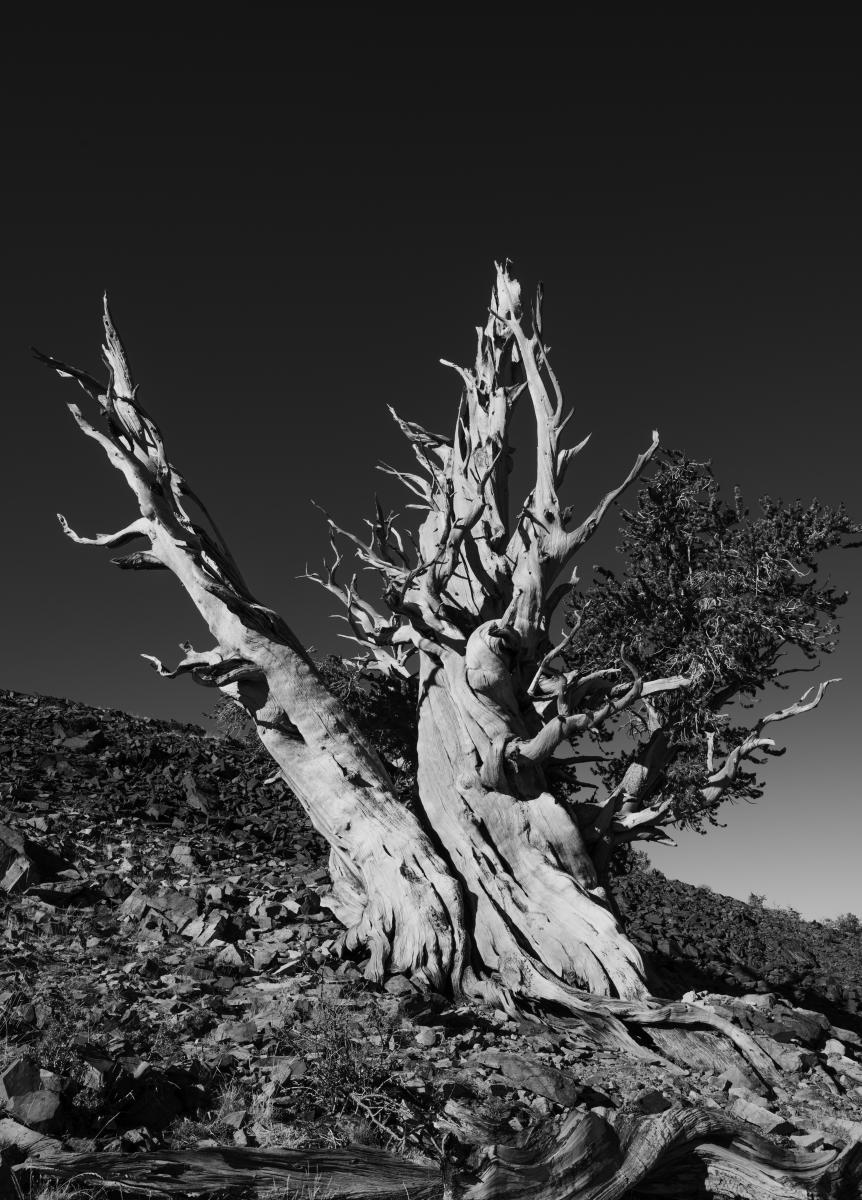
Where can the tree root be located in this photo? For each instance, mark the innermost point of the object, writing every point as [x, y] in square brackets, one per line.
[686, 1152]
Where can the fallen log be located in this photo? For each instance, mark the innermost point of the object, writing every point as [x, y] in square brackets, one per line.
[681, 1152]
[358, 1172]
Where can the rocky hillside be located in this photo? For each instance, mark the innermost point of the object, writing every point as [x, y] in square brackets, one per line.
[696, 938]
[170, 981]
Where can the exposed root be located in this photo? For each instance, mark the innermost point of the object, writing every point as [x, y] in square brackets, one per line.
[682, 1152]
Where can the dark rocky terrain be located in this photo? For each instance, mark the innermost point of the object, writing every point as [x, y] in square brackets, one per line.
[170, 978]
[696, 938]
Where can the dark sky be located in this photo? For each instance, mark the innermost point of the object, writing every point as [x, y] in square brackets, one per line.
[292, 232]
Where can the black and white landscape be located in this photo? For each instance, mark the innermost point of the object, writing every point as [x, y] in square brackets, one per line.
[383, 915]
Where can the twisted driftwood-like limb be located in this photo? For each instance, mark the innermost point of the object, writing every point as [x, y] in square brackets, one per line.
[681, 1152]
[356, 1171]
[391, 888]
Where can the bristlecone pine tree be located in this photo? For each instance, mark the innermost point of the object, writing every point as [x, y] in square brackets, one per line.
[488, 885]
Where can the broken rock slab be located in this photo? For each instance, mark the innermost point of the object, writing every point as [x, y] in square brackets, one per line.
[24, 862]
[27, 1099]
[761, 1116]
[19, 1078]
[40, 1111]
[534, 1077]
[175, 907]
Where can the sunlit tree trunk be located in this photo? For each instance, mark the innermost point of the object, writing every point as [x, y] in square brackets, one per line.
[490, 883]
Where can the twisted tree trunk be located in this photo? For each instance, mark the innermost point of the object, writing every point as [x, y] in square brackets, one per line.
[537, 915]
[489, 885]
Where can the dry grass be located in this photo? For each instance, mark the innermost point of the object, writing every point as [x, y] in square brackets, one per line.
[66, 1190]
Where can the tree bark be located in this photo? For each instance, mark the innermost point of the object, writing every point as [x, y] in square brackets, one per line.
[489, 885]
[537, 915]
[681, 1152]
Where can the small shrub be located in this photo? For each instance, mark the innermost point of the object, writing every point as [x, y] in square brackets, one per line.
[234, 722]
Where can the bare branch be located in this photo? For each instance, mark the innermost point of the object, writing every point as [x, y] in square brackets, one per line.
[415, 483]
[720, 779]
[210, 668]
[578, 537]
[139, 528]
[564, 457]
[558, 730]
[795, 710]
[553, 653]
[142, 560]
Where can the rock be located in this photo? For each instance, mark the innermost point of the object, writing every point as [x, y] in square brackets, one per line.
[289, 1067]
[652, 1102]
[742, 1077]
[135, 904]
[19, 1078]
[809, 1027]
[756, 1114]
[263, 956]
[789, 1058]
[239, 1032]
[176, 907]
[426, 1037]
[97, 1071]
[809, 1141]
[230, 957]
[833, 1046]
[745, 1093]
[841, 1065]
[852, 1130]
[184, 856]
[39, 1110]
[760, 1000]
[86, 741]
[23, 861]
[399, 985]
[535, 1077]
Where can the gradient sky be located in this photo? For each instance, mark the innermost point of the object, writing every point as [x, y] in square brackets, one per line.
[293, 232]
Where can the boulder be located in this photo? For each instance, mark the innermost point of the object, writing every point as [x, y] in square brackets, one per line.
[810, 1028]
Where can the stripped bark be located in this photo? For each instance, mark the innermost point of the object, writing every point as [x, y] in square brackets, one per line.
[391, 889]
